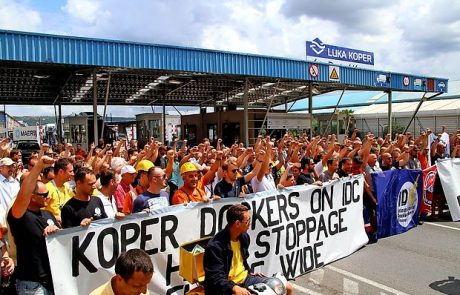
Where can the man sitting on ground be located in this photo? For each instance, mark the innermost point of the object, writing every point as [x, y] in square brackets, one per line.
[225, 259]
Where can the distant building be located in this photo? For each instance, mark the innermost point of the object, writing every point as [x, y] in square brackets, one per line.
[8, 123]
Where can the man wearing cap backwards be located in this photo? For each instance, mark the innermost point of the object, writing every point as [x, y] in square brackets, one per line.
[29, 227]
[189, 192]
[128, 174]
[9, 186]
[154, 197]
[142, 185]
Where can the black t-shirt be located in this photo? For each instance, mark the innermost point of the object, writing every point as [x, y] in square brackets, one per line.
[436, 157]
[342, 173]
[304, 179]
[32, 256]
[224, 189]
[74, 211]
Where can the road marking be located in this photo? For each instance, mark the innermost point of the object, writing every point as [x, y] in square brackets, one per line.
[304, 290]
[364, 280]
[350, 287]
[316, 277]
[440, 225]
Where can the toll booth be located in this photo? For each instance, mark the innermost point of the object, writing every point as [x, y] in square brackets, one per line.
[151, 125]
[79, 128]
[229, 125]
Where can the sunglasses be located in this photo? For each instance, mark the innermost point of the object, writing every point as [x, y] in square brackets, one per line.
[43, 195]
[234, 170]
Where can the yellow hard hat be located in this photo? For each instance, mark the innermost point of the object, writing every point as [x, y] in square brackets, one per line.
[144, 165]
[187, 167]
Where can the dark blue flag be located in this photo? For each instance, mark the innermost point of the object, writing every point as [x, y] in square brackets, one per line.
[398, 195]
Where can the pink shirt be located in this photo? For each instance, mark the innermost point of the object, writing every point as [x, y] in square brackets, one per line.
[120, 194]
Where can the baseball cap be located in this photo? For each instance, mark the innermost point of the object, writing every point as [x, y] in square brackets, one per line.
[6, 162]
[187, 167]
[127, 169]
[144, 165]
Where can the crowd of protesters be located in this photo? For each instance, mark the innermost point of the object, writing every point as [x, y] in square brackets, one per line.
[68, 187]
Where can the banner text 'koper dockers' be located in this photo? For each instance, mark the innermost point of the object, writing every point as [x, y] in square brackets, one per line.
[292, 231]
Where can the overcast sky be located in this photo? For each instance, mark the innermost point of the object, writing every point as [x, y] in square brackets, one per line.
[413, 36]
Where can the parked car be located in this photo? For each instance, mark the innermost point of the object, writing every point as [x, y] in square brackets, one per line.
[27, 148]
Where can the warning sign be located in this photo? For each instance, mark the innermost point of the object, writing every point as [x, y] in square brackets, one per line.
[314, 70]
[334, 73]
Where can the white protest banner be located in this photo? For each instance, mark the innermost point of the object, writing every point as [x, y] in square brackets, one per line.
[449, 173]
[292, 231]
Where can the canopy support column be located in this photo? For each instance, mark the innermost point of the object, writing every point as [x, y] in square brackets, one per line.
[164, 120]
[246, 113]
[105, 102]
[310, 108]
[390, 114]
[96, 135]
[59, 126]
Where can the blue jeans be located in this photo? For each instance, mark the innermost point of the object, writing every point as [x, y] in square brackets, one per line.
[31, 288]
[252, 280]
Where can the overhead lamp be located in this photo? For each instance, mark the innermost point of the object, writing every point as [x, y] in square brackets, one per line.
[41, 76]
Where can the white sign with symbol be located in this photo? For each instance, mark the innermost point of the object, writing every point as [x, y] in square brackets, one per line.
[314, 70]
[406, 81]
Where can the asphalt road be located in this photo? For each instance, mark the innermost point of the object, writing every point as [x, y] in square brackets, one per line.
[424, 260]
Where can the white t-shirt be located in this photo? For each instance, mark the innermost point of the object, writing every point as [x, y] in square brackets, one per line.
[110, 207]
[267, 183]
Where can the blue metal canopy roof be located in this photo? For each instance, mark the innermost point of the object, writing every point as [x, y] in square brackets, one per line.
[201, 76]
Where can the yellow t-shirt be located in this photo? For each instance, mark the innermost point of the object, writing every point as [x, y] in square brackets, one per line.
[237, 272]
[106, 289]
[58, 197]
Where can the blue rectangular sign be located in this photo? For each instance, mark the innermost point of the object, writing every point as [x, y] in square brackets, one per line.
[317, 48]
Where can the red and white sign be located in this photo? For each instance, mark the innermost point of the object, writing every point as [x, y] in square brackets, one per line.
[314, 70]
[406, 81]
